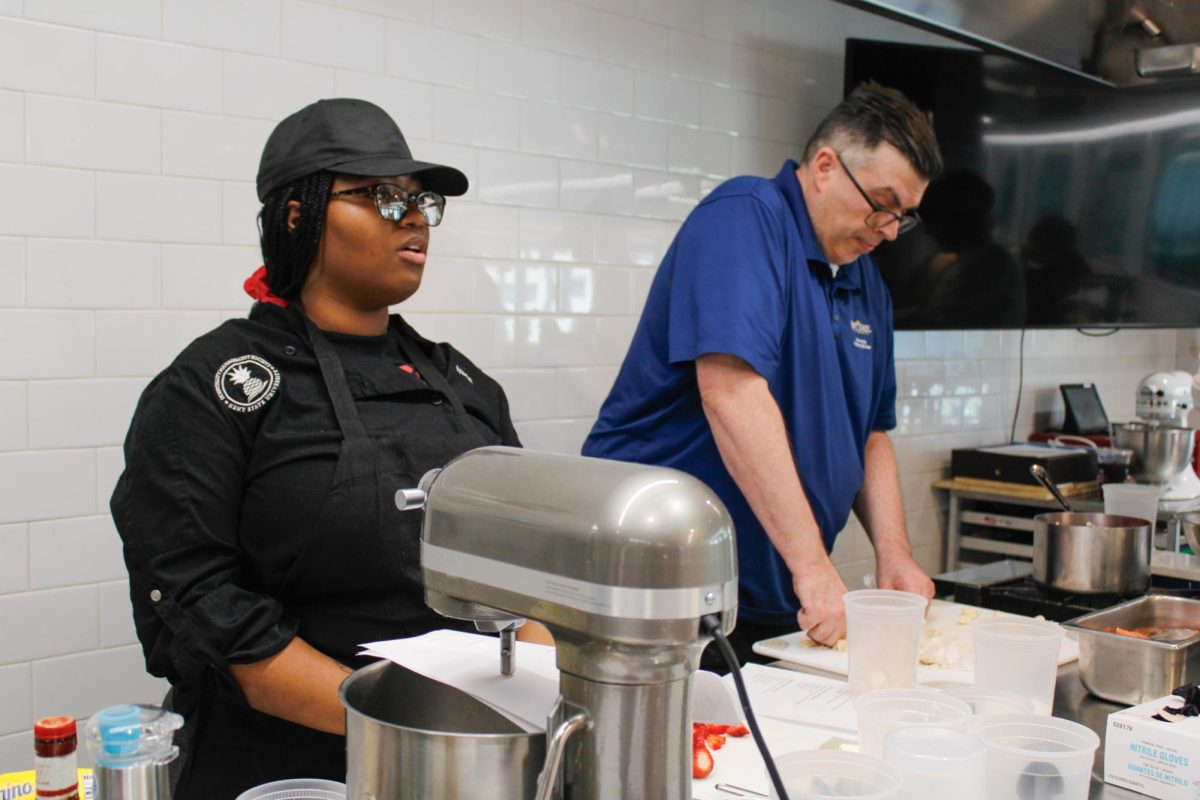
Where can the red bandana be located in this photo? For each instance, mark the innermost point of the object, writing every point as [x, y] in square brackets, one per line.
[256, 287]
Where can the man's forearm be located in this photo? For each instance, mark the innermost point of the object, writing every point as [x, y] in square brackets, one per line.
[882, 514]
[752, 440]
[878, 505]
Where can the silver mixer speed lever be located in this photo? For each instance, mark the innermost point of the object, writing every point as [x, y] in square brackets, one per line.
[415, 499]
[410, 499]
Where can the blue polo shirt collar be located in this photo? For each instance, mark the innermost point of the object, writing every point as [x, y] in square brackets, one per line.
[849, 276]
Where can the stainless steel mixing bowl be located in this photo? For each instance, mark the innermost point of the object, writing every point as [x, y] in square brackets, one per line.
[1190, 523]
[1160, 452]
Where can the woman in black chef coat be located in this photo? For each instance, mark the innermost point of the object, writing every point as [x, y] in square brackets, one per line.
[256, 507]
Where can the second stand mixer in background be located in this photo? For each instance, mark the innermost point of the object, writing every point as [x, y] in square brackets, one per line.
[1162, 443]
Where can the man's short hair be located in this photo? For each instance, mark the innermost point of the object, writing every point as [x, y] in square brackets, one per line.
[872, 114]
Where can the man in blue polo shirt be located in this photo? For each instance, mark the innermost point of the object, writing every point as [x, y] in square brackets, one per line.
[763, 364]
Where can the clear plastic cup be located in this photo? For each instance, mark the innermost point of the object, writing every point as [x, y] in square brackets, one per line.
[296, 789]
[1114, 463]
[823, 774]
[884, 710]
[1030, 756]
[985, 701]
[883, 636]
[937, 762]
[1132, 500]
[1020, 656]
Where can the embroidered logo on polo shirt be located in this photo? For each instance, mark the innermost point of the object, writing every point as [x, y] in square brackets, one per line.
[246, 383]
[463, 372]
[863, 330]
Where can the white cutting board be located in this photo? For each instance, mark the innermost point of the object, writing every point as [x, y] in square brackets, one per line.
[943, 617]
[740, 764]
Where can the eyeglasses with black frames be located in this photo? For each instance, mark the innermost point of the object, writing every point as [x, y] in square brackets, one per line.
[880, 217]
[393, 202]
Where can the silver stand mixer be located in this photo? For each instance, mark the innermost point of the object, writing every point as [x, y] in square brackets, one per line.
[1162, 443]
[620, 561]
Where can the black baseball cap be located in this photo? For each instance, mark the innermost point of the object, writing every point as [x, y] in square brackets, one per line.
[349, 137]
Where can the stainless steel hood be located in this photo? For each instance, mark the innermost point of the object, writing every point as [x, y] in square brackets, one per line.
[1116, 42]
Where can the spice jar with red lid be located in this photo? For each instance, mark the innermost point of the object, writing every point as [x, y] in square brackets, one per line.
[55, 764]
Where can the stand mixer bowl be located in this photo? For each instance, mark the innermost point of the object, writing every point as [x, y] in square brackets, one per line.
[1160, 452]
[1190, 523]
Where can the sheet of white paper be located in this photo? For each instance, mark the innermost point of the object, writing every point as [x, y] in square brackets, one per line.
[713, 700]
[471, 663]
[800, 698]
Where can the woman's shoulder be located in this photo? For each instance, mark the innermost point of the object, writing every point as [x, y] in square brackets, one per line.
[235, 365]
[263, 336]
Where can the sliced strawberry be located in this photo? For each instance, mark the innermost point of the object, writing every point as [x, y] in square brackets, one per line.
[702, 762]
[737, 730]
[715, 741]
[718, 729]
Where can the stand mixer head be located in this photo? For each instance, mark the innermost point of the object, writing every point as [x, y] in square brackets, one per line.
[620, 561]
[1165, 398]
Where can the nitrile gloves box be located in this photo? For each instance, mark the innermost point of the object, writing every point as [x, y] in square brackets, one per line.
[1147, 755]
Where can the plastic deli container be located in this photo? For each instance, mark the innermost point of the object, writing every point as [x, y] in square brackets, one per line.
[1032, 756]
[1132, 500]
[985, 701]
[884, 710]
[824, 774]
[1019, 655]
[937, 762]
[883, 635]
[296, 789]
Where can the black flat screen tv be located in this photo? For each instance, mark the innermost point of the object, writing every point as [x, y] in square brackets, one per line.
[1064, 204]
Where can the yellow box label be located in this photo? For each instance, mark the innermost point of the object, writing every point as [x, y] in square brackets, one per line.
[22, 785]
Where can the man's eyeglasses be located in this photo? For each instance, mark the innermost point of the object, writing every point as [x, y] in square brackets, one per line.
[393, 202]
[880, 217]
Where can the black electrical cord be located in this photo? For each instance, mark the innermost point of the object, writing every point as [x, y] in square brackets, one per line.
[711, 624]
[1093, 332]
[1012, 434]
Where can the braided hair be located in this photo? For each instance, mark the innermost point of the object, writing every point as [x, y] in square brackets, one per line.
[288, 254]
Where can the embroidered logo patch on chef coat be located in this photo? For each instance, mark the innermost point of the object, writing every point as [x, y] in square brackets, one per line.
[246, 383]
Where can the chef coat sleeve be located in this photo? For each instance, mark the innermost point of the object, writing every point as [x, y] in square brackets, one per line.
[176, 507]
[729, 285]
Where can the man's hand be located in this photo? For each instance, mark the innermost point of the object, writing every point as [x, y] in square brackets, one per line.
[899, 571]
[822, 614]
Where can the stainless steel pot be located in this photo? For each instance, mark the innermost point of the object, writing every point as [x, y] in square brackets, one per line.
[411, 737]
[1092, 553]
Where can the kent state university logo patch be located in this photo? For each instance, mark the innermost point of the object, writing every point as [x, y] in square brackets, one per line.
[862, 330]
[246, 383]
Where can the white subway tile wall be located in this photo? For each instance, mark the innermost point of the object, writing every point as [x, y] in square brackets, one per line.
[13, 420]
[16, 687]
[130, 133]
